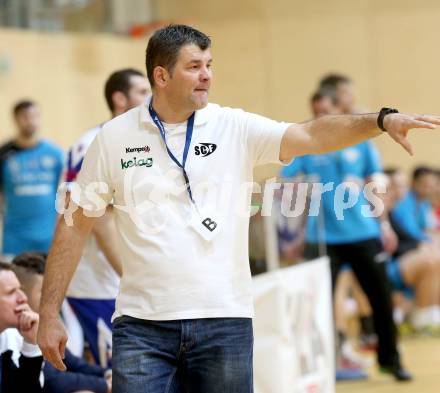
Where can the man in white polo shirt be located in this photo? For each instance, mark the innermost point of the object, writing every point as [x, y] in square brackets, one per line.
[178, 172]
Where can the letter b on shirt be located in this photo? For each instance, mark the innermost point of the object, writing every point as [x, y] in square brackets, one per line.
[209, 224]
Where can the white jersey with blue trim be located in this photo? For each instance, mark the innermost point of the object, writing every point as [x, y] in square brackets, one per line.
[94, 271]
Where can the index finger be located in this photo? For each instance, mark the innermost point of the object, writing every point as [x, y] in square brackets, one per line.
[428, 118]
[25, 322]
[422, 124]
[53, 356]
[63, 348]
[22, 307]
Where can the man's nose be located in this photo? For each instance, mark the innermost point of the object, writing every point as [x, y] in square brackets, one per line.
[205, 75]
[22, 298]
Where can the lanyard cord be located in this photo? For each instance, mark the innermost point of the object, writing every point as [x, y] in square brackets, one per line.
[188, 137]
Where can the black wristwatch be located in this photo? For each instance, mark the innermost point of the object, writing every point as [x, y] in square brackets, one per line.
[383, 112]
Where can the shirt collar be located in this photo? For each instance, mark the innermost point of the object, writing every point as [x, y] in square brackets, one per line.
[202, 115]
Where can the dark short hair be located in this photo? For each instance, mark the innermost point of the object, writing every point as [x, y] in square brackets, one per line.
[32, 262]
[119, 81]
[324, 93]
[164, 46]
[421, 171]
[5, 266]
[27, 267]
[332, 81]
[21, 106]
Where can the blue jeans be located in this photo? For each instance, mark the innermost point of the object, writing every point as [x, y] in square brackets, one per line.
[184, 356]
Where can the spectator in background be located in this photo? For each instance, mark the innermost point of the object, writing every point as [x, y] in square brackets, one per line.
[18, 331]
[415, 264]
[342, 87]
[100, 268]
[413, 212]
[79, 376]
[355, 239]
[30, 170]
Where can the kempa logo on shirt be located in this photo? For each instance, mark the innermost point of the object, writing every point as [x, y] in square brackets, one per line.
[145, 149]
[125, 164]
[204, 149]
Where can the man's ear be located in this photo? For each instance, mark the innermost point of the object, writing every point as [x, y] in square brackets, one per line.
[119, 99]
[160, 76]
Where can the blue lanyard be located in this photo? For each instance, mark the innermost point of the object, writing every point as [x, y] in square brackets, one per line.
[189, 132]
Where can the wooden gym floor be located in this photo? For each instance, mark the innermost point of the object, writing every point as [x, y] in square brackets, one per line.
[421, 355]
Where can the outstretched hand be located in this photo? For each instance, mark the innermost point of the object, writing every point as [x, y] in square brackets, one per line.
[399, 124]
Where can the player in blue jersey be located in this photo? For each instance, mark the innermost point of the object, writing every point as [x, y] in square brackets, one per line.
[30, 170]
[350, 235]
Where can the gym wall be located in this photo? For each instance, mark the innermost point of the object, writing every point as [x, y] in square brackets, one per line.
[268, 58]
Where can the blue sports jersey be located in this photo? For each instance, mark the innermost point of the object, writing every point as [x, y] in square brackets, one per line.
[352, 164]
[29, 180]
[414, 215]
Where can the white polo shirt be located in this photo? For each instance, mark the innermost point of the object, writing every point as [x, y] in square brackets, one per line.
[170, 271]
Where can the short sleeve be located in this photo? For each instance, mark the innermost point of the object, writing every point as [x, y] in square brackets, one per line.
[263, 137]
[93, 189]
[373, 163]
[294, 168]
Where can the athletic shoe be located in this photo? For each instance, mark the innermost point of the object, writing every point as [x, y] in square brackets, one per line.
[349, 358]
[398, 372]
